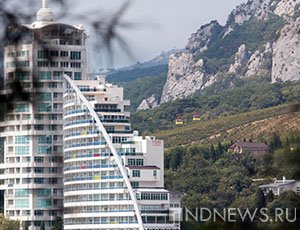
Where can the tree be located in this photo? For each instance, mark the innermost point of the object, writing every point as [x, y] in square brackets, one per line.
[275, 142]
[270, 196]
[42, 226]
[213, 153]
[219, 150]
[260, 200]
[58, 224]
[7, 224]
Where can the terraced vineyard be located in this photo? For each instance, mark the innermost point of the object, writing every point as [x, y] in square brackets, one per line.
[250, 125]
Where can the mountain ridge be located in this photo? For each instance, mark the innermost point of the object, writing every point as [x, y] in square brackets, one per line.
[259, 39]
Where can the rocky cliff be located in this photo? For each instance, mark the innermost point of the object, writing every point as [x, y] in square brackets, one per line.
[260, 38]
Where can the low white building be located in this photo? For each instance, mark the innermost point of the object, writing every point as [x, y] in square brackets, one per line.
[280, 186]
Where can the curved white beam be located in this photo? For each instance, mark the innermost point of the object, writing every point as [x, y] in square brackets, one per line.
[112, 149]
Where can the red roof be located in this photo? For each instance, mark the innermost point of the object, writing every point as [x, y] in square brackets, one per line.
[143, 167]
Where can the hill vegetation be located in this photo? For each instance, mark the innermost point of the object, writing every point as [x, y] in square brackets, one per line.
[253, 33]
[126, 76]
[210, 177]
[230, 96]
[140, 89]
[140, 83]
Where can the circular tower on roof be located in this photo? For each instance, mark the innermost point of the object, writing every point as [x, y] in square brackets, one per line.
[45, 14]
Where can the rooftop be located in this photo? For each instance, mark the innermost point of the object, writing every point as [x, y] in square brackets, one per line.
[250, 145]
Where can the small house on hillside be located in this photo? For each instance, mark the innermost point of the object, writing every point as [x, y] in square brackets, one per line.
[280, 186]
[249, 147]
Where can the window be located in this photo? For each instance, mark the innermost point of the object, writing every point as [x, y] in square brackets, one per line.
[39, 84]
[155, 173]
[42, 63]
[44, 107]
[64, 64]
[38, 116]
[54, 64]
[44, 203]
[22, 75]
[18, 64]
[23, 203]
[75, 65]
[64, 53]
[38, 212]
[53, 116]
[134, 184]
[75, 55]
[53, 213]
[45, 139]
[135, 162]
[77, 76]
[131, 162]
[44, 192]
[38, 159]
[39, 180]
[44, 75]
[21, 108]
[53, 170]
[54, 53]
[44, 97]
[39, 127]
[53, 180]
[44, 150]
[38, 170]
[136, 173]
[139, 162]
[57, 75]
[43, 54]
[21, 150]
[21, 193]
[22, 140]
[52, 85]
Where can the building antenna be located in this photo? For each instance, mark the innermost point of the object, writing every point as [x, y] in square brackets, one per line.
[45, 3]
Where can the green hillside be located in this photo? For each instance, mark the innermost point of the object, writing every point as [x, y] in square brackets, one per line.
[251, 125]
[140, 83]
[231, 96]
[124, 76]
[143, 88]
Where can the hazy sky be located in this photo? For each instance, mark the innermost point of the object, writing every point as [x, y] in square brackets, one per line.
[163, 24]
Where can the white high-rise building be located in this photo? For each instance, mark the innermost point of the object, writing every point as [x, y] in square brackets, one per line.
[95, 193]
[58, 162]
[33, 132]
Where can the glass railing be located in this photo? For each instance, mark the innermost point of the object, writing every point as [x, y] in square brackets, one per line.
[82, 133]
[92, 178]
[86, 144]
[99, 211]
[90, 167]
[80, 122]
[98, 188]
[101, 222]
[90, 155]
[76, 111]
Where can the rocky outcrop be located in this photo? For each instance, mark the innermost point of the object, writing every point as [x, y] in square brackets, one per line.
[259, 63]
[240, 60]
[277, 57]
[199, 41]
[287, 7]
[286, 54]
[149, 103]
[245, 11]
[184, 78]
